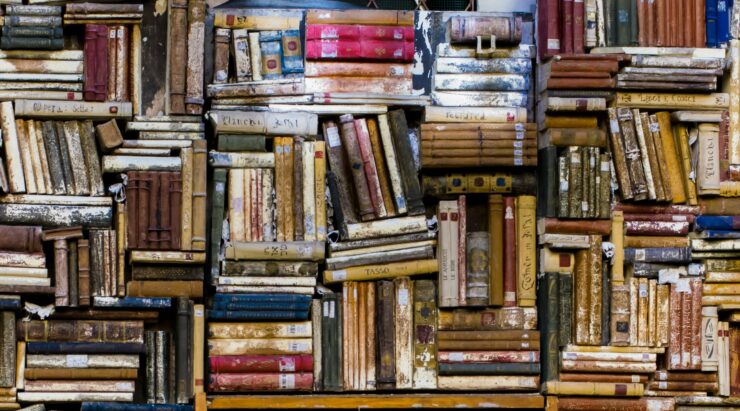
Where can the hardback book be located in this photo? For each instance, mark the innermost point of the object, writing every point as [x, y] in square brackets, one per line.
[425, 324]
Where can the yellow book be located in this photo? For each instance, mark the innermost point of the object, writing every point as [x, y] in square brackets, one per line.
[294, 250]
[617, 238]
[526, 251]
[200, 158]
[199, 317]
[167, 257]
[722, 277]
[309, 194]
[258, 21]
[320, 189]
[556, 261]
[594, 388]
[475, 114]
[20, 365]
[30, 133]
[236, 204]
[653, 242]
[381, 271]
[652, 318]
[663, 316]
[642, 309]
[260, 346]
[186, 207]
[23, 144]
[673, 101]
[721, 289]
[488, 382]
[385, 188]
[681, 135]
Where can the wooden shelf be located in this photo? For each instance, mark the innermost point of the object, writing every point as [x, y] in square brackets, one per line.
[376, 401]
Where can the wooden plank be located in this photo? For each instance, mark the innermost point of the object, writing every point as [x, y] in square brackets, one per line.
[386, 401]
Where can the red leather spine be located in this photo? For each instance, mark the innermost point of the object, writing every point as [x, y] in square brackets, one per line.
[567, 29]
[371, 172]
[360, 49]
[579, 29]
[175, 209]
[90, 53]
[261, 382]
[261, 363]
[351, 32]
[509, 252]
[548, 30]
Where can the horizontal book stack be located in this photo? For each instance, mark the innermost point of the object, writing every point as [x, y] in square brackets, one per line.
[41, 74]
[675, 73]
[264, 356]
[104, 13]
[23, 261]
[80, 360]
[32, 27]
[353, 59]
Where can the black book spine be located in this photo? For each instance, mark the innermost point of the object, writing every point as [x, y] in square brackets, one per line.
[31, 43]
[565, 307]
[33, 31]
[339, 221]
[56, 170]
[549, 329]
[182, 349]
[548, 182]
[606, 308]
[72, 272]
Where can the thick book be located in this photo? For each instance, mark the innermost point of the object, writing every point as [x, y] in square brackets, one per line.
[82, 331]
[237, 382]
[363, 48]
[489, 369]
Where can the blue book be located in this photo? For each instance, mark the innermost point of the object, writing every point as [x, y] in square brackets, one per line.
[658, 255]
[718, 234]
[260, 306]
[116, 406]
[84, 348]
[724, 15]
[717, 222]
[271, 49]
[275, 298]
[133, 302]
[711, 22]
[257, 315]
[292, 53]
[10, 303]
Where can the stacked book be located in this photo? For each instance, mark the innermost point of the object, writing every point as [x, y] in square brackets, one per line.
[13, 353]
[359, 58]
[23, 260]
[32, 27]
[40, 74]
[674, 73]
[108, 51]
[80, 360]
[261, 356]
[105, 13]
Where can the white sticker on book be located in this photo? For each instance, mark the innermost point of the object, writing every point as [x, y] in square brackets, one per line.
[297, 329]
[640, 254]
[553, 44]
[643, 290]
[456, 357]
[654, 127]
[287, 381]
[570, 356]
[76, 360]
[605, 166]
[635, 378]
[682, 285]
[198, 312]
[614, 126]
[339, 275]
[298, 347]
[332, 134]
[663, 385]
[332, 309]
[519, 127]
[518, 161]
[584, 206]
[326, 309]
[678, 217]
[403, 296]
[123, 386]
[287, 364]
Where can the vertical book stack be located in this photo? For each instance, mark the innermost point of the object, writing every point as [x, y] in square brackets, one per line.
[32, 27]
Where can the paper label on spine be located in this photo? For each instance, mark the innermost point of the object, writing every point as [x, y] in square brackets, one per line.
[569, 356]
[643, 291]
[519, 135]
[340, 275]
[403, 296]
[682, 285]
[605, 166]
[519, 127]
[654, 127]
[76, 360]
[679, 218]
[326, 309]
[298, 347]
[297, 329]
[287, 364]
[614, 126]
[640, 254]
[663, 385]
[553, 44]
[332, 135]
[122, 386]
[287, 381]
[635, 378]
[456, 357]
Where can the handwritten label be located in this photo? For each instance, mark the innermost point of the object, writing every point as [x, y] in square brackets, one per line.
[332, 135]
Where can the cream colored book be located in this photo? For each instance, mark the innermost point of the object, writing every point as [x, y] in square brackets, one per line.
[382, 249]
[488, 382]
[319, 180]
[708, 167]
[475, 114]
[37, 128]
[21, 65]
[140, 151]
[75, 396]
[381, 271]
[25, 260]
[235, 205]
[82, 361]
[264, 289]
[153, 144]
[40, 199]
[186, 207]
[403, 318]
[268, 122]
[268, 281]
[81, 386]
[25, 150]
[673, 101]
[51, 109]
[268, 231]
[394, 174]
[124, 163]
[20, 365]
[24, 280]
[309, 195]
[298, 329]
[165, 126]
[317, 347]
[255, 56]
[11, 147]
[639, 132]
[260, 346]
[249, 198]
[74, 146]
[171, 135]
[294, 250]
[199, 330]
[709, 337]
[33, 144]
[241, 160]
[388, 227]
[29, 272]
[609, 356]
[167, 257]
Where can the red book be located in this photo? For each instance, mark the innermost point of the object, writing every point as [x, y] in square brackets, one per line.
[398, 50]
[261, 363]
[696, 293]
[101, 70]
[656, 227]
[90, 56]
[356, 32]
[548, 30]
[567, 26]
[579, 30]
[175, 209]
[509, 252]
[371, 172]
[673, 351]
[462, 236]
[260, 382]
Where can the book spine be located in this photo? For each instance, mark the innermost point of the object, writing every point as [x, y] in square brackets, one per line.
[425, 327]
[381, 168]
[403, 319]
[404, 153]
[510, 252]
[309, 197]
[461, 243]
[221, 55]
[620, 315]
[352, 146]
[496, 251]
[370, 167]
[194, 70]
[549, 292]
[526, 250]
[178, 38]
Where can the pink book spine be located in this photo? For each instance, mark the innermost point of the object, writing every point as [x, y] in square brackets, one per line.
[261, 382]
[371, 172]
[462, 251]
[332, 31]
[673, 352]
[261, 363]
[488, 357]
[356, 49]
[696, 292]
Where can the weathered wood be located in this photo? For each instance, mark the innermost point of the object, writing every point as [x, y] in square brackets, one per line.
[153, 55]
[385, 401]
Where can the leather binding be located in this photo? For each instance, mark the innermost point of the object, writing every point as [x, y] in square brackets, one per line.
[357, 31]
[489, 319]
[368, 49]
[183, 346]
[166, 272]
[550, 174]
[510, 260]
[297, 198]
[8, 356]
[565, 308]
[57, 129]
[110, 40]
[164, 210]
[81, 331]
[548, 36]
[72, 135]
[381, 167]
[496, 252]
[162, 357]
[575, 182]
[154, 218]
[403, 317]
[478, 257]
[196, 43]
[231, 382]
[369, 165]
[23, 239]
[567, 26]
[579, 26]
[83, 270]
[218, 195]
[199, 195]
[319, 181]
[582, 298]
[331, 335]
[507, 29]
[404, 153]
[604, 185]
[192, 289]
[351, 143]
[462, 266]
[550, 318]
[240, 48]
[178, 21]
[91, 62]
[73, 274]
[644, 154]
[620, 159]
[123, 56]
[425, 329]
[632, 154]
[654, 127]
[526, 250]
[221, 56]
[92, 161]
[338, 165]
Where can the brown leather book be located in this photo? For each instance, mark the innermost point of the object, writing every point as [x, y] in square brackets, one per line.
[198, 224]
[404, 154]
[138, 194]
[462, 230]
[381, 166]
[178, 14]
[385, 335]
[695, 331]
[175, 194]
[597, 377]
[620, 161]
[104, 314]
[734, 348]
[196, 39]
[582, 298]
[556, 226]
[164, 210]
[352, 150]
[192, 289]
[509, 260]
[569, 64]
[90, 56]
[496, 264]
[81, 331]
[222, 39]
[339, 166]
[673, 351]
[110, 39]
[684, 386]
[611, 403]
[580, 83]
[24, 239]
[81, 373]
[83, 272]
[691, 376]
[632, 153]
[123, 55]
[153, 219]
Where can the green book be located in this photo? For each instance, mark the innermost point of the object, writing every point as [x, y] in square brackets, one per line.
[218, 198]
[241, 142]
